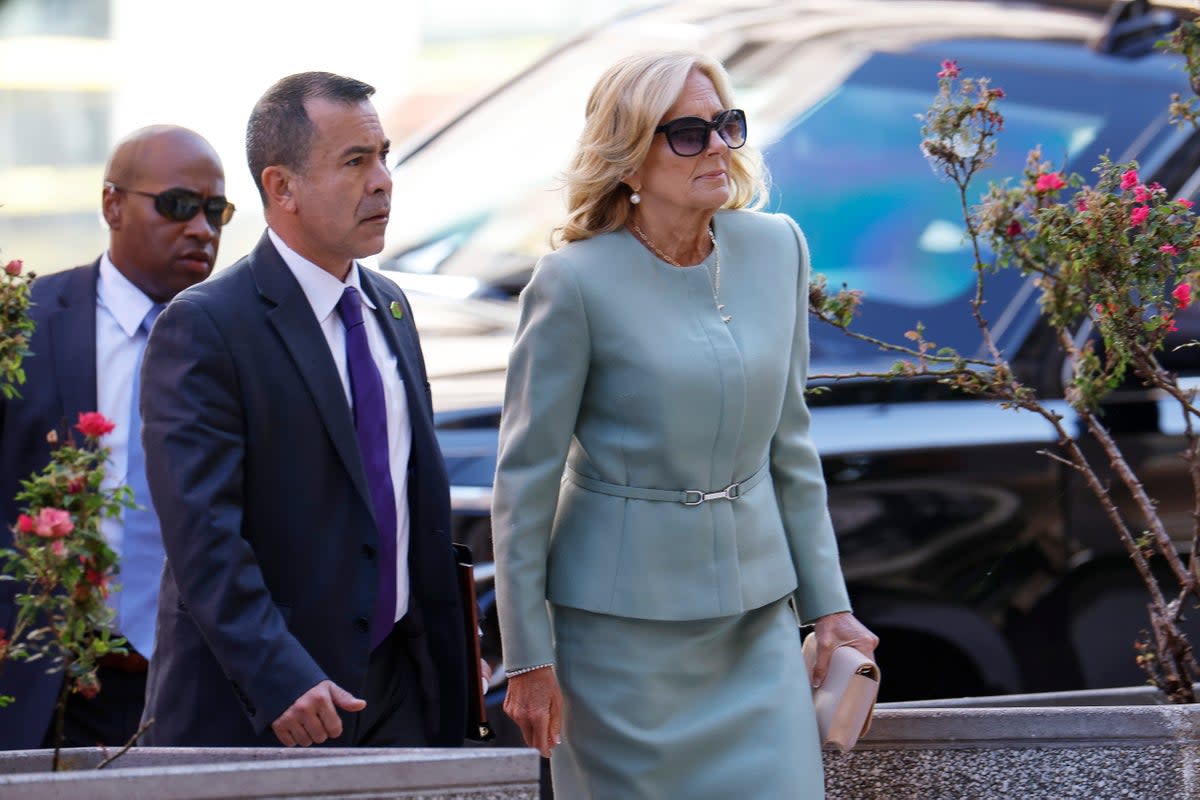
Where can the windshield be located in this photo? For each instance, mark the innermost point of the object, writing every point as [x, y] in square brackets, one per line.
[845, 163]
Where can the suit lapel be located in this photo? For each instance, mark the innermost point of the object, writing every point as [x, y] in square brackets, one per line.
[293, 318]
[72, 329]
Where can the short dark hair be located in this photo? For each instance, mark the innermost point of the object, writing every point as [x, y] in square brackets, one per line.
[279, 131]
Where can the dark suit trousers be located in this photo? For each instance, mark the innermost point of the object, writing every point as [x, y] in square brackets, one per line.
[398, 705]
[110, 718]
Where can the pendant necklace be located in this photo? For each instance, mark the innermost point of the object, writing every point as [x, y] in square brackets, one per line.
[716, 272]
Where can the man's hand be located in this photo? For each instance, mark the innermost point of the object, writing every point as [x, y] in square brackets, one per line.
[313, 718]
[534, 702]
[485, 674]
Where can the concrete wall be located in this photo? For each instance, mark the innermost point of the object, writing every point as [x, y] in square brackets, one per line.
[1055, 753]
[276, 773]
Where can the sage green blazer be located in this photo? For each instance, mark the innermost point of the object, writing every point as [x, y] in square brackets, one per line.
[623, 371]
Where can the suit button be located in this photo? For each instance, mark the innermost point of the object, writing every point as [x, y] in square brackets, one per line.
[368, 552]
[362, 625]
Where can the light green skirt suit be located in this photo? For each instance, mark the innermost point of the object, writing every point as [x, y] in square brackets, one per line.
[668, 622]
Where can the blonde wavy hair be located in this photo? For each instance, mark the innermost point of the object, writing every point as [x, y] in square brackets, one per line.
[625, 106]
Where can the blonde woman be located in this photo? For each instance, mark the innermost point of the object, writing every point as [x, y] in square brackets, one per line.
[660, 514]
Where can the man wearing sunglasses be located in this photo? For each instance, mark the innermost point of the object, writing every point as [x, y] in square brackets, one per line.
[163, 202]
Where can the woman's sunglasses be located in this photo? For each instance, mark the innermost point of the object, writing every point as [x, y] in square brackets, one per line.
[180, 205]
[688, 136]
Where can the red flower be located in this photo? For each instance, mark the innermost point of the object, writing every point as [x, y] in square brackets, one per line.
[997, 93]
[1141, 194]
[1049, 182]
[1182, 294]
[14, 267]
[1014, 229]
[949, 69]
[1185, 203]
[1138, 216]
[1129, 179]
[1169, 249]
[75, 485]
[1081, 204]
[89, 687]
[94, 424]
[25, 523]
[53, 523]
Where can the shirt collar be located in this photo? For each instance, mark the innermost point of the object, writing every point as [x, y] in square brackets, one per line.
[126, 302]
[322, 289]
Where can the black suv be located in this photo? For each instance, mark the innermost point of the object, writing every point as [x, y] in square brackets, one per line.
[964, 546]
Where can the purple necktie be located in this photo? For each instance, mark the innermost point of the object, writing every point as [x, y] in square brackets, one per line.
[370, 423]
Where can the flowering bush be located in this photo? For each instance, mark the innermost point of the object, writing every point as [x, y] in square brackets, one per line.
[15, 325]
[1114, 261]
[64, 566]
[62, 562]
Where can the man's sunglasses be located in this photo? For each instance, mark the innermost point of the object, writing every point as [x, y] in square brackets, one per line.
[688, 136]
[181, 205]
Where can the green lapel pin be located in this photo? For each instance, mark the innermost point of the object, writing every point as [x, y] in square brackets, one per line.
[397, 309]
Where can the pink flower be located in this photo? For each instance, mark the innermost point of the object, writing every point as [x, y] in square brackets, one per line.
[1081, 204]
[1170, 250]
[1138, 216]
[94, 424]
[14, 267]
[53, 523]
[1171, 326]
[1049, 182]
[1141, 194]
[949, 69]
[1183, 295]
[25, 523]
[58, 548]
[1014, 229]
[1185, 203]
[1129, 179]
[997, 93]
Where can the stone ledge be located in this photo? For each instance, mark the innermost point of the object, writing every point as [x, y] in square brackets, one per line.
[1141, 752]
[204, 773]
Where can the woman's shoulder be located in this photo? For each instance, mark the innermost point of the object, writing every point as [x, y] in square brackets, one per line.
[758, 230]
[581, 258]
[756, 221]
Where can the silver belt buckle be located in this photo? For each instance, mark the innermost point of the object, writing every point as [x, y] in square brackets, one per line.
[695, 497]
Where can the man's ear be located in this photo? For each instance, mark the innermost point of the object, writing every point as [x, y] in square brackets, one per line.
[111, 206]
[278, 184]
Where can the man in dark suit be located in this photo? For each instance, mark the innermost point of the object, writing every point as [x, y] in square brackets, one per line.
[163, 201]
[309, 594]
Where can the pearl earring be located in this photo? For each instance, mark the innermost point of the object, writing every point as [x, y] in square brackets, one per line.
[635, 198]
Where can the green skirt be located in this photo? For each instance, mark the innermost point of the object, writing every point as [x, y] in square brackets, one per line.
[708, 709]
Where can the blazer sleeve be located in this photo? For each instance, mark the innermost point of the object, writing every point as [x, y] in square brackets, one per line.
[799, 481]
[195, 456]
[547, 371]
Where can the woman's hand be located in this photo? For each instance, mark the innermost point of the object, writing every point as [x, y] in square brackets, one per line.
[835, 630]
[534, 702]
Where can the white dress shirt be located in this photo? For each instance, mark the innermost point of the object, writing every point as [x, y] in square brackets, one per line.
[323, 292]
[120, 309]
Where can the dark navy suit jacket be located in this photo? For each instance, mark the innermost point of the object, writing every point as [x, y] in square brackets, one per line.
[60, 382]
[270, 536]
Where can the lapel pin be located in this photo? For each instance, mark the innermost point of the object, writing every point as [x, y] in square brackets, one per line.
[397, 309]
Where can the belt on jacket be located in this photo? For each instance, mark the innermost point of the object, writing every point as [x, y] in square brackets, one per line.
[688, 497]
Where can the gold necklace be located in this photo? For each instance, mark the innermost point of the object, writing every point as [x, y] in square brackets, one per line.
[716, 272]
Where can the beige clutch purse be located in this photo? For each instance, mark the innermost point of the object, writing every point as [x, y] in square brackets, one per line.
[846, 700]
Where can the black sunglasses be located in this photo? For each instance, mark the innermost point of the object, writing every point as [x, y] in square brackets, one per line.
[688, 136]
[180, 205]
